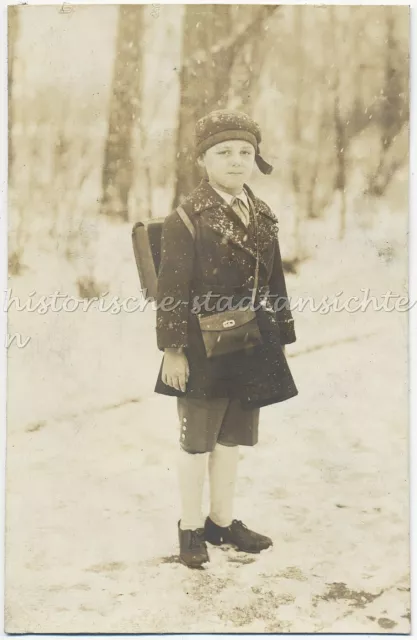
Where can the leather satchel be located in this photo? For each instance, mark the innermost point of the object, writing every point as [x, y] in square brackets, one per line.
[232, 330]
[229, 331]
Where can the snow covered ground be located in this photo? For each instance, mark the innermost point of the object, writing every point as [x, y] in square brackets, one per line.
[92, 501]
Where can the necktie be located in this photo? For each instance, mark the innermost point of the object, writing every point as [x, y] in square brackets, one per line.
[241, 209]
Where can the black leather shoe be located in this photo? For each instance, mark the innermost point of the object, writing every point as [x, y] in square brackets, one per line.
[193, 549]
[236, 534]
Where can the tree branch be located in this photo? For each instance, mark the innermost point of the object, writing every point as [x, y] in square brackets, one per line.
[235, 41]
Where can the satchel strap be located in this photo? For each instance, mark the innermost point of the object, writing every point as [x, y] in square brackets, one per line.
[186, 220]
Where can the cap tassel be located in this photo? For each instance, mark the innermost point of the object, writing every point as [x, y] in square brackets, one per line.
[263, 166]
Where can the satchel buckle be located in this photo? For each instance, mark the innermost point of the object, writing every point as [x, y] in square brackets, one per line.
[229, 323]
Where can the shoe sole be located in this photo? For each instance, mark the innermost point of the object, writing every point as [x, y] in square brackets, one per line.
[193, 566]
[234, 546]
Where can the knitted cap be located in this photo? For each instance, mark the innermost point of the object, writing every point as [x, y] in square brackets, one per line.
[225, 124]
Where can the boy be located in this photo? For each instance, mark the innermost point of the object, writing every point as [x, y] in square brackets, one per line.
[218, 399]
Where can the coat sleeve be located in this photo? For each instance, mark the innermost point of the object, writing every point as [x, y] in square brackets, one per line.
[280, 300]
[174, 277]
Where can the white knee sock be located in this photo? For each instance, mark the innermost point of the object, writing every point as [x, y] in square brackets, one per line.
[223, 470]
[191, 473]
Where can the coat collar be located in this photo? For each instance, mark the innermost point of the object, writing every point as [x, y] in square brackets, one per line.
[219, 216]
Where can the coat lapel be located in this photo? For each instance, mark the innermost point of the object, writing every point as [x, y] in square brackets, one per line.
[267, 227]
[226, 223]
[223, 220]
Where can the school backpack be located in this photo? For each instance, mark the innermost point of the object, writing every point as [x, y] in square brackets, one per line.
[146, 240]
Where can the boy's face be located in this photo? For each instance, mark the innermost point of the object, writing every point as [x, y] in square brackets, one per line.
[229, 164]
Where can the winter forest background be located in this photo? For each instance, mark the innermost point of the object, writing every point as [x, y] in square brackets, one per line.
[102, 117]
[102, 105]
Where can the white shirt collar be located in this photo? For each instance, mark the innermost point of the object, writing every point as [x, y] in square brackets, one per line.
[228, 197]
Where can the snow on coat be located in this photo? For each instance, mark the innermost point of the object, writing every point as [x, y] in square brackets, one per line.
[221, 260]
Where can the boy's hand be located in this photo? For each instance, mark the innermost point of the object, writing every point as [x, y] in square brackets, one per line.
[175, 369]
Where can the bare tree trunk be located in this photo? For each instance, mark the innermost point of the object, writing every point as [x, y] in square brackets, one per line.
[253, 61]
[13, 34]
[16, 244]
[339, 125]
[361, 63]
[296, 168]
[391, 118]
[340, 182]
[393, 112]
[248, 66]
[147, 183]
[210, 45]
[124, 109]
[312, 187]
[203, 81]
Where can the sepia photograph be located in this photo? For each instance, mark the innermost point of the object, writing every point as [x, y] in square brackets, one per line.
[207, 319]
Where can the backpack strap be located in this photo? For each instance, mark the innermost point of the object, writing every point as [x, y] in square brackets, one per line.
[186, 220]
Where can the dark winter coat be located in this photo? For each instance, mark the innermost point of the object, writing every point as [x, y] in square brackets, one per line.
[222, 260]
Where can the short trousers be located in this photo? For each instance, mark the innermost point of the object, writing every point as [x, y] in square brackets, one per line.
[206, 421]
